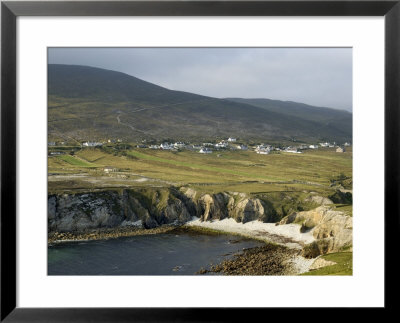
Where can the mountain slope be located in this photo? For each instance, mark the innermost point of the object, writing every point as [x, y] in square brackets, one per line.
[87, 103]
[338, 119]
[295, 109]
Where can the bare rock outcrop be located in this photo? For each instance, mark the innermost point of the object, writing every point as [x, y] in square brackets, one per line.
[320, 200]
[245, 209]
[107, 209]
[213, 207]
[78, 212]
[333, 230]
[153, 207]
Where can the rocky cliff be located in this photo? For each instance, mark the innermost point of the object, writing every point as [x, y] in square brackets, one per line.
[149, 208]
[152, 207]
[332, 230]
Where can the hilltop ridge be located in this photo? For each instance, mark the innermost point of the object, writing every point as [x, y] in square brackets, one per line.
[93, 103]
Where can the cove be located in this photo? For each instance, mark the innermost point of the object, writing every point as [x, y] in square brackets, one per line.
[159, 254]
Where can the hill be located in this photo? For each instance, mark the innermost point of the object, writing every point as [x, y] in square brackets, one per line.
[87, 103]
[338, 119]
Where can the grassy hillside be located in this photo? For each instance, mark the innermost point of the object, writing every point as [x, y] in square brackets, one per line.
[336, 120]
[88, 103]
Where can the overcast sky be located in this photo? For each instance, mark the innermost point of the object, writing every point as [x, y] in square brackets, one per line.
[316, 76]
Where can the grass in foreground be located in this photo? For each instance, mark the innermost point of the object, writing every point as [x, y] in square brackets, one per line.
[343, 266]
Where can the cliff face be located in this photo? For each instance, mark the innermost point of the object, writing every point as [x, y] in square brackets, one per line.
[149, 208]
[332, 230]
[152, 207]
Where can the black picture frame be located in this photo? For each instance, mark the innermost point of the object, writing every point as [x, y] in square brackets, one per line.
[10, 10]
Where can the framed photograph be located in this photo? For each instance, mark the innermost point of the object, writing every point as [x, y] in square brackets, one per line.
[162, 158]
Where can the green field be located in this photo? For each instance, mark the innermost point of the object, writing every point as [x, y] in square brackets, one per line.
[238, 171]
[343, 266]
[75, 161]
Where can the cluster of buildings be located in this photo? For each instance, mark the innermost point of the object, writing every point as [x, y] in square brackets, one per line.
[53, 143]
[86, 143]
[99, 144]
[339, 149]
[165, 146]
[329, 145]
[230, 143]
[266, 149]
[204, 148]
[92, 144]
[263, 149]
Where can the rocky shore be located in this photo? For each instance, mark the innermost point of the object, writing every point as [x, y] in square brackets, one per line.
[266, 260]
[105, 233]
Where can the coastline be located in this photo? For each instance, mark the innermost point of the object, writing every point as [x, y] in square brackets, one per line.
[281, 254]
[287, 235]
[105, 234]
[267, 260]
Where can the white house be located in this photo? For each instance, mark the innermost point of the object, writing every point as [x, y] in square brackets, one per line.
[263, 146]
[340, 150]
[179, 144]
[242, 147]
[166, 146]
[92, 144]
[230, 139]
[109, 169]
[313, 147]
[205, 151]
[221, 145]
[262, 150]
[347, 144]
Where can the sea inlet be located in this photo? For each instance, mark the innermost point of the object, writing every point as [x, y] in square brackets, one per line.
[157, 254]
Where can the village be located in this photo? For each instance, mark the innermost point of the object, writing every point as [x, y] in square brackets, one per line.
[230, 143]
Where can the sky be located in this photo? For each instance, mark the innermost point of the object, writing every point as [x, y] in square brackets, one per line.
[315, 76]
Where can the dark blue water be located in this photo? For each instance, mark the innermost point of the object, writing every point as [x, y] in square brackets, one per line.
[160, 254]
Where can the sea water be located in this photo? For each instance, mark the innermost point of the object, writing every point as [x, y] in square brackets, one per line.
[158, 254]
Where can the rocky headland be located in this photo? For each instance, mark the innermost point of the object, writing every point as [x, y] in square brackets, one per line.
[297, 236]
